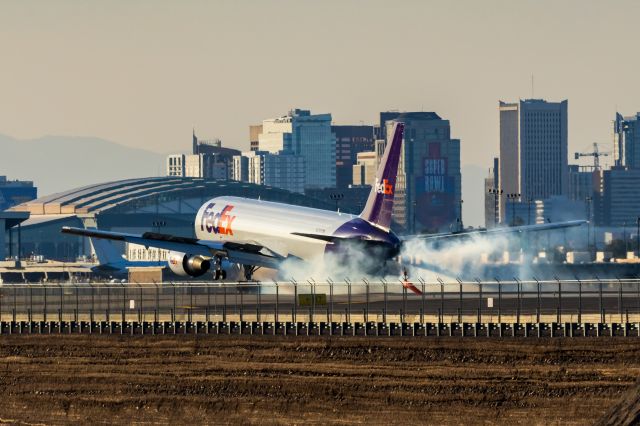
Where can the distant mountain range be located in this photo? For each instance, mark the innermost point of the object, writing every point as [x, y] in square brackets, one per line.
[59, 163]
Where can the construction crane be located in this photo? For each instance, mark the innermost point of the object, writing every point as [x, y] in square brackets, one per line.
[596, 154]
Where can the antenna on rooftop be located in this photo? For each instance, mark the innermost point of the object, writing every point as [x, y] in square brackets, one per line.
[532, 88]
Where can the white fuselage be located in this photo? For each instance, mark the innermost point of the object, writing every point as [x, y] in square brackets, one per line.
[268, 224]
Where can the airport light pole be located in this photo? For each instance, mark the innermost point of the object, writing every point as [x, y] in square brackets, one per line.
[513, 197]
[337, 197]
[496, 212]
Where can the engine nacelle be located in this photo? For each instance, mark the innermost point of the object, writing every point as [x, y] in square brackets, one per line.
[184, 264]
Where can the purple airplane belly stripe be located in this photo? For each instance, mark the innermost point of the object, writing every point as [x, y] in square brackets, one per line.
[380, 202]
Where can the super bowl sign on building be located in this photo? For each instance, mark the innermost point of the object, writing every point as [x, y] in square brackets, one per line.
[435, 170]
[435, 192]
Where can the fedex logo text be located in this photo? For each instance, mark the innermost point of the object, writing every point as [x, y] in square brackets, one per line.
[383, 187]
[217, 222]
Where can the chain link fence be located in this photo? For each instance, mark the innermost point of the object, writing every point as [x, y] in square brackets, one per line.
[345, 301]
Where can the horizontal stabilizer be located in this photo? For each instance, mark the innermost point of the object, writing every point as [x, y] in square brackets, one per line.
[499, 231]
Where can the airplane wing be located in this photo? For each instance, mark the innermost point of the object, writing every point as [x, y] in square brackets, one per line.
[500, 231]
[235, 252]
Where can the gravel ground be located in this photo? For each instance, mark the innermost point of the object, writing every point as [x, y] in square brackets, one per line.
[180, 379]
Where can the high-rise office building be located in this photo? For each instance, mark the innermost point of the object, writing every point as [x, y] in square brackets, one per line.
[533, 149]
[309, 136]
[240, 169]
[583, 181]
[284, 171]
[207, 166]
[492, 196]
[364, 171]
[627, 141]
[350, 141]
[428, 188]
[175, 165]
[208, 159]
[254, 136]
[620, 197]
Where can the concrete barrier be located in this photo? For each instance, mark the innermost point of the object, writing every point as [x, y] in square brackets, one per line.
[392, 329]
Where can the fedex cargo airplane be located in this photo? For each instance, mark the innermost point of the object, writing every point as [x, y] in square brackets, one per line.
[255, 233]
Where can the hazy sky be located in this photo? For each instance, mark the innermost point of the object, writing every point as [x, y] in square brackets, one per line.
[142, 73]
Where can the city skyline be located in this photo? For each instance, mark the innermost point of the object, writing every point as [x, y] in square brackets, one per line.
[169, 68]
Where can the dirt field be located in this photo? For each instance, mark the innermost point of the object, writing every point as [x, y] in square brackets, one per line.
[62, 379]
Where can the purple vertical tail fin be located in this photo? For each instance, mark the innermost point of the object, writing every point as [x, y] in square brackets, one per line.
[380, 201]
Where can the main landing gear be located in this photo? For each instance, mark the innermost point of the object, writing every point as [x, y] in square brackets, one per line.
[219, 273]
[248, 271]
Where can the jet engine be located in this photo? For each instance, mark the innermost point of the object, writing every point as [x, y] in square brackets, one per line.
[185, 264]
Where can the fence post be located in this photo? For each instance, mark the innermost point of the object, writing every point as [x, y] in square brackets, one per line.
[294, 309]
[499, 300]
[92, 301]
[173, 311]
[422, 285]
[259, 304]
[539, 302]
[600, 300]
[124, 303]
[384, 292]
[15, 304]
[479, 300]
[620, 299]
[348, 300]
[579, 299]
[224, 302]
[141, 308]
[77, 302]
[519, 299]
[404, 303]
[312, 284]
[330, 314]
[44, 309]
[366, 311]
[275, 316]
[559, 299]
[61, 303]
[403, 311]
[190, 316]
[460, 301]
[157, 310]
[241, 304]
[441, 311]
[30, 302]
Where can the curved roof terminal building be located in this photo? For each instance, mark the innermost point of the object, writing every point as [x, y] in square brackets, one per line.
[159, 204]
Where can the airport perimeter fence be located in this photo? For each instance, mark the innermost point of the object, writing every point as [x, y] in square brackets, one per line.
[558, 301]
